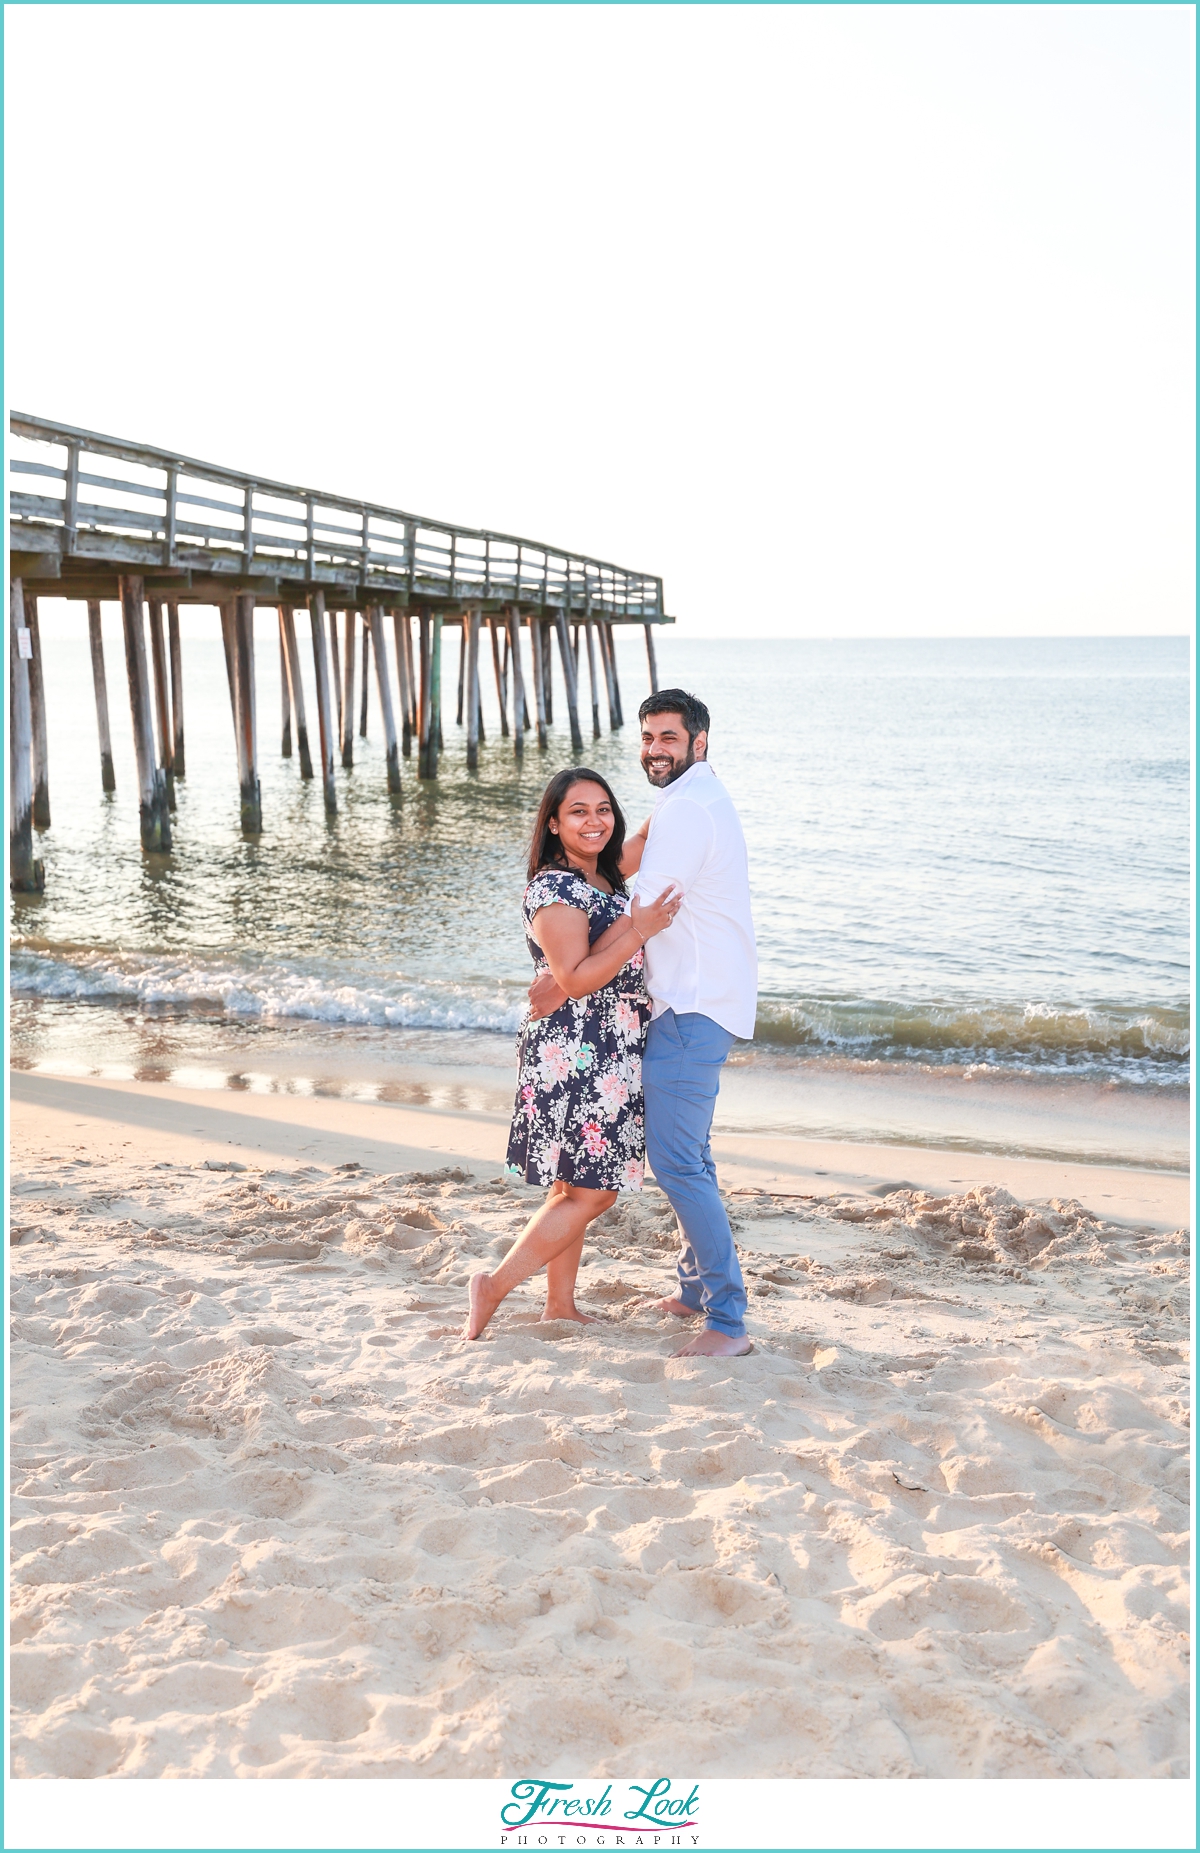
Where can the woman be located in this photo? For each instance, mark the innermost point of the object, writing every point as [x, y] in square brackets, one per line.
[577, 1126]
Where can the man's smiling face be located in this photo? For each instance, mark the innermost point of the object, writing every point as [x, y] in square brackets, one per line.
[667, 751]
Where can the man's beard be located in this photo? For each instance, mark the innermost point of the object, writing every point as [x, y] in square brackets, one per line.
[676, 772]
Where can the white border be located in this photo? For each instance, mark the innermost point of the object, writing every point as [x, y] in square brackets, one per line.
[449, 1813]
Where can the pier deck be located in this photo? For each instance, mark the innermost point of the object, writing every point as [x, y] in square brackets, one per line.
[97, 518]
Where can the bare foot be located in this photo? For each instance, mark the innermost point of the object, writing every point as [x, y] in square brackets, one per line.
[481, 1304]
[709, 1344]
[572, 1312]
[678, 1308]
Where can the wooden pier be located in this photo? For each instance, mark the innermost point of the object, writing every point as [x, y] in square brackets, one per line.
[106, 519]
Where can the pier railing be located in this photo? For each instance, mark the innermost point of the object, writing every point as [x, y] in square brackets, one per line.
[171, 513]
[102, 518]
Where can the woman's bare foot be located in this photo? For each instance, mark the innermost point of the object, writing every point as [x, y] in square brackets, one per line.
[709, 1344]
[572, 1312]
[481, 1304]
[678, 1308]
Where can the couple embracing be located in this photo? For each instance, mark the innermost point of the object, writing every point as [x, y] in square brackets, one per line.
[636, 1002]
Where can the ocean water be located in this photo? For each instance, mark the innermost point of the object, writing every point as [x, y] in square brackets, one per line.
[969, 860]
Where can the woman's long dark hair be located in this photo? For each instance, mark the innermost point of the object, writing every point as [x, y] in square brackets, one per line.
[545, 848]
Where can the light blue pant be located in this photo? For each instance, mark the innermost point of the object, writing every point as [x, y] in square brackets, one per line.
[681, 1074]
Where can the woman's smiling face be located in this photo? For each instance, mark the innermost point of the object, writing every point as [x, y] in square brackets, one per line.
[584, 821]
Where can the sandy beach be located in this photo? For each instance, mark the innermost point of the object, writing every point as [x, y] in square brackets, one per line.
[936, 1525]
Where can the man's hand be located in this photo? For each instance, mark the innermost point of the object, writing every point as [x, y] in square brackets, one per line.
[545, 996]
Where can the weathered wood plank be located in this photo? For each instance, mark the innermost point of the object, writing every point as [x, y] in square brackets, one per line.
[26, 874]
[108, 778]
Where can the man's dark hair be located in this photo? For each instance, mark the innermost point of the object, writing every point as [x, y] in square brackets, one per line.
[690, 709]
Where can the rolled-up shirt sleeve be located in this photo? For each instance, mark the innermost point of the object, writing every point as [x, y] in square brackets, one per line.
[677, 848]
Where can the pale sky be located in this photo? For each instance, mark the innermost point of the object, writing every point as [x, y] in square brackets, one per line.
[847, 321]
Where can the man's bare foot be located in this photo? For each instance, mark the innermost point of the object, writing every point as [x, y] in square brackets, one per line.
[709, 1344]
[481, 1304]
[572, 1312]
[678, 1308]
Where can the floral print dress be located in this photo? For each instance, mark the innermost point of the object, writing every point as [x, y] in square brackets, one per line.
[578, 1114]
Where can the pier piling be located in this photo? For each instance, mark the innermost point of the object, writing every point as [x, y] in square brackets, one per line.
[229, 645]
[403, 630]
[316, 612]
[291, 668]
[436, 732]
[26, 873]
[538, 655]
[373, 620]
[366, 651]
[471, 639]
[153, 811]
[518, 682]
[591, 647]
[108, 778]
[616, 680]
[346, 712]
[250, 790]
[424, 626]
[335, 673]
[285, 695]
[462, 664]
[501, 679]
[37, 715]
[176, 651]
[651, 659]
[162, 700]
[569, 681]
[547, 668]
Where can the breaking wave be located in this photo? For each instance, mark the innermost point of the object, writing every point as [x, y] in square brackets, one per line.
[1122, 1041]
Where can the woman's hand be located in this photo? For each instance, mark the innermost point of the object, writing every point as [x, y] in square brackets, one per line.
[651, 917]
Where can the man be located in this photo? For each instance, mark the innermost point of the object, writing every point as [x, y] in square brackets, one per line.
[702, 976]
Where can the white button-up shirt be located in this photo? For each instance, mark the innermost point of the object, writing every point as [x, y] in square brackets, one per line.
[706, 959]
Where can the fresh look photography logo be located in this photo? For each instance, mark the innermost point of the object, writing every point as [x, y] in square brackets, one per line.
[658, 1813]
